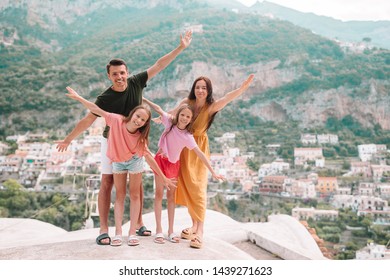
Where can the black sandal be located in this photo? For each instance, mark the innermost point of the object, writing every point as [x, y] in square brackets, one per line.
[142, 231]
[102, 237]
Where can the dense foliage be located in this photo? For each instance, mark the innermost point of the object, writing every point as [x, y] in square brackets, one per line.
[51, 207]
[40, 63]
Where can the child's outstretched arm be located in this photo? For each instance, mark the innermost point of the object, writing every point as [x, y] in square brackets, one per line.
[168, 183]
[154, 106]
[89, 105]
[203, 157]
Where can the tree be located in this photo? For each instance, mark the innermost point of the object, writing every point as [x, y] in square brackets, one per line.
[346, 165]
[253, 165]
[12, 186]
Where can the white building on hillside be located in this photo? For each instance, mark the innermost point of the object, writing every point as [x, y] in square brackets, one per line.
[384, 190]
[304, 155]
[327, 139]
[380, 171]
[304, 188]
[275, 167]
[315, 214]
[373, 252]
[366, 188]
[228, 137]
[367, 151]
[308, 139]
[361, 168]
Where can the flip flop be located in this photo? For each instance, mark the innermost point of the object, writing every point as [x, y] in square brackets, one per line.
[117, 240]
[102, 237]
[196, 242]
[133, 240]
[173, 238]
[142, 231]
[159, 238]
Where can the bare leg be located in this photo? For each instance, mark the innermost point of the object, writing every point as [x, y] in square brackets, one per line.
[171, 209]
[135, 204]
[199, 230]
[140, 222]
[120, 181]
[158, 202]
[104, 201]
[194, 226]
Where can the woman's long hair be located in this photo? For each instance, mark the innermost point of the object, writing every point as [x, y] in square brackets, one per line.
[209, 98]
[145, 129]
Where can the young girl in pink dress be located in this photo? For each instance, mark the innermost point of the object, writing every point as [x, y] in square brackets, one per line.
[176, 136]
[127, 146]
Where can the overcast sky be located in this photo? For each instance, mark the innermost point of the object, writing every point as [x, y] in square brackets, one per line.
[339, 9]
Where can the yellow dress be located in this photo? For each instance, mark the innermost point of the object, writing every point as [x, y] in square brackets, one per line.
[192, 182]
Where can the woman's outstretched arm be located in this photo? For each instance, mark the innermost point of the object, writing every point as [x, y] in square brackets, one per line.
[229, 97]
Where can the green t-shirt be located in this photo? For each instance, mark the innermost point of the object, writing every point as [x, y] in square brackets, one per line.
[123, 102]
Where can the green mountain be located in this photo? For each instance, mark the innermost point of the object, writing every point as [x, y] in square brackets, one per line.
[376, 32]
[300, 76]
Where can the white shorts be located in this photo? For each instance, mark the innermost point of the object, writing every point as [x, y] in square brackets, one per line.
[106, 166]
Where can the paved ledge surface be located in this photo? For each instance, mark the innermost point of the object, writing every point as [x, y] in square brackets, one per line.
[282, 237]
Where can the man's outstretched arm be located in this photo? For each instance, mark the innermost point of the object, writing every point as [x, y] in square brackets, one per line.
[164, 61]
[81, 126]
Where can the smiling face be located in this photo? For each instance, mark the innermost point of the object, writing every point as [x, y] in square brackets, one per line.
[118, 76]
[201, 90]
[138, 120]
[184, 118]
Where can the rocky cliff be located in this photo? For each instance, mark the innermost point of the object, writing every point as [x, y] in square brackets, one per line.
[368, 103]
[42, 42]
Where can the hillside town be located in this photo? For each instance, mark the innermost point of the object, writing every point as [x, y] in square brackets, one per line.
[36, 161]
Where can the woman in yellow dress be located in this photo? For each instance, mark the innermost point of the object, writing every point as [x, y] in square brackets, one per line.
[192, 182]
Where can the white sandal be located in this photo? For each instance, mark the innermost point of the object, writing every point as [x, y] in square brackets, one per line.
[159, 238]
[173, 238]
[133, 240]
[116, 241]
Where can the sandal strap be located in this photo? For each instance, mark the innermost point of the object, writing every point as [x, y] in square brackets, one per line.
[117, 237]
[197, 239]
[187, 231]
[159, 235]
[133, 237]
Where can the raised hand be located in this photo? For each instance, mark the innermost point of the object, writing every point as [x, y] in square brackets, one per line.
[247, 82]
[72, 93]
[62, 146]
[157, 120]
[186, 40]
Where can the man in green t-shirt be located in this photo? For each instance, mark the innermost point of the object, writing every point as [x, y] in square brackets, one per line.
[124, 94]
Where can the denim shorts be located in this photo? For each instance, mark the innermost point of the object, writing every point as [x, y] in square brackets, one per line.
[133, 166]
